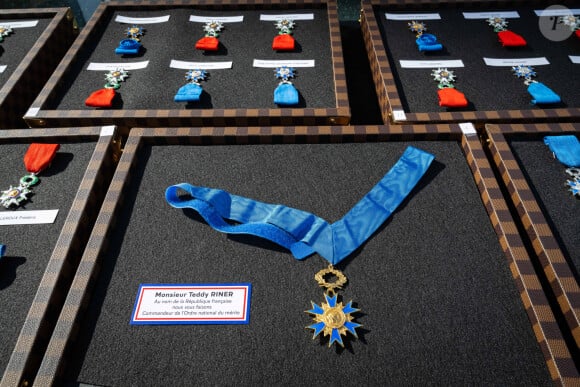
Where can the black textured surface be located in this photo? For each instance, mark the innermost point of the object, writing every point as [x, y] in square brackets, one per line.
[438, 301]
[242, 86]
[546, 177]
[486, 88]
[29, 247]
[16, 45]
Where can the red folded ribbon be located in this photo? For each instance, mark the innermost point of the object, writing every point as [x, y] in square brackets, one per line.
[283, 42]
[207, 43]
[39, 156]
[101, 98]
[511, 39]
[451, 97]
[577, 34]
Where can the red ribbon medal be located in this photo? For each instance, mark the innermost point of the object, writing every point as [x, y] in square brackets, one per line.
[37, 158]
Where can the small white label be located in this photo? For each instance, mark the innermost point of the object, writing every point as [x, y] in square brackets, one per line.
[142, 20]
[487, 15]
[108, 130]
[179, 64]
[412, 16]
[296, 16]
[574, 59]
[500, 62]
[20, 24]
[221, 19]
[277, 63]
[2, 68]
[192, 304]
[32, 112]
[9, 218]
[425, 64]
[114, 66]
[399, 115]
[467, 128]
[557, 12]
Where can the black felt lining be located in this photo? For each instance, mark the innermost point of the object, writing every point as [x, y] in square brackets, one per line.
[438, 303]
[29, 247]
[546, 177]
[243, 86]
[18, 44]
[486, 88]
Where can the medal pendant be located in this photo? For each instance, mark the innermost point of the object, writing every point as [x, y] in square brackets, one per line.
[332, 318]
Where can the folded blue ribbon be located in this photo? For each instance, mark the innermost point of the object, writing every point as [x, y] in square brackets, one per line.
[566, 148]
[299, 231]
[2, 250]
[542, 94]
[285, 94]
[188, 93]
[428, 42]
[128, 47]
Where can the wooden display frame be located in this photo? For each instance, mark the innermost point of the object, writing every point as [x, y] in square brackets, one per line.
[386, 85]
[553, 260]
[40, 116]
[52, 289]
[558, 359]
[26, 81]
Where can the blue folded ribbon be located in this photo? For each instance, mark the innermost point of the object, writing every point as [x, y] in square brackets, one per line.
[566, 148]
[285, 94]
[428, 42]
[128, 47]
[301, 232]
[2, 250]
[188, 93]
[542, 94]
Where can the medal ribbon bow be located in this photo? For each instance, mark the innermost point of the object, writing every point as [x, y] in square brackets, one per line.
[299, 231]
[39, 156]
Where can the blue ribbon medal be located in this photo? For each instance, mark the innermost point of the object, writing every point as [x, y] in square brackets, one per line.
[304, 233]
[541, 94]
[191, 92]
[566, 149]
[131, 45]
[425, 42]
[285, 94]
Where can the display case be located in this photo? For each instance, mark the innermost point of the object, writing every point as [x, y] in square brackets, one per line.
[405, 73]
[45, 236]
[38, 40]
[239, 95]
[446, 291]
[536, 183]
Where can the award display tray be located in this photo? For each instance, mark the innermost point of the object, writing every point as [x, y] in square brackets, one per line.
[41, 259]
[435, 305]
[30, 55]
[238, 96]
[548, 211]
[494, 94]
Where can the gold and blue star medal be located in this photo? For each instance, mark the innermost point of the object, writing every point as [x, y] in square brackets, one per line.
[132, 44]
[285, 94]
[4, 31]
[541, 94]
[425, 42]
[191, 92]
[332, 318]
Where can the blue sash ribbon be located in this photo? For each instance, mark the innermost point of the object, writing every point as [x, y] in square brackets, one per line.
[299, 231]
[566, 148]
[2, 250]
